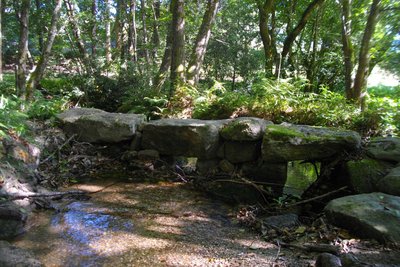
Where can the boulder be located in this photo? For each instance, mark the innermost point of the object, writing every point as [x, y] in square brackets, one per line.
[385, 148]
[11, 256]
[374, 215]
[287, 142]
[390, 184]
[280, 222]
[94, 125]
[364, 175]
[238, 152]
[244, 129]
[21, 151]
[189, 138]
[12, 221]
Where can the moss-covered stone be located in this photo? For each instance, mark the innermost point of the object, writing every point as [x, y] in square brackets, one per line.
[244, 129]
[390, 184]
[287, 142]
[385, 148]
[364, 175]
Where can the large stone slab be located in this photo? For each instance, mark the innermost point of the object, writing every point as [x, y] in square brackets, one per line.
[385, 148]
[94, 125]
[238, 152]
[390, 184]
[189, 138]
[374, 215]
[244, 129]
[287, 142]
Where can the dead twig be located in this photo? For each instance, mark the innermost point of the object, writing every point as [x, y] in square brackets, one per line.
[314, 247]
[59, 149]
[279, 251]
[247, 182]
[317, 197]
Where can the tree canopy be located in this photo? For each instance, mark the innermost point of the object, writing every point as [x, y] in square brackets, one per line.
[174, 54]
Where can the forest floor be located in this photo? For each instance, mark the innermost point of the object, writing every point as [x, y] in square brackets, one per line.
[130, 223]
[148, 224]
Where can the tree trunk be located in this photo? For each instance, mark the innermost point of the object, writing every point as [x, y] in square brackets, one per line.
[107, 47]
[289, 40]
[23, 48]
[360, 80]
[77, 35]
[39, 27]
[118, 29]
[144, 36]
[265, 10]
[93, 36]
[200, 47]
[156, 35]
[1, 41]
[178, 45]
[162, 74]
[347, 47]
[132, 31]
[38, 71]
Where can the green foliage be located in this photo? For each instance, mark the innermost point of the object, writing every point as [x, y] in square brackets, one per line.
[43, 108]
[287, 101]
[11, 118]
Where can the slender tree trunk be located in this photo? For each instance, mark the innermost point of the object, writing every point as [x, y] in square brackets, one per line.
[39, 27]
[264, 11]
[360, 80]
[132, 31]
[118, 29]
[178, 45]
[23, 48]
[312, 61]
[144, 36]
[162, 74]
[77, 35]
[37, 73]
[107, 47]
[200, 47]
[289, 40]
[1, 41]
[156, 35]
[347, 47]
[93, 36]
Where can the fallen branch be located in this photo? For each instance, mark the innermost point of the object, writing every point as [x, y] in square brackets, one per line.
[247, 182]
[35, 195]
[313, 247]
[317, 197]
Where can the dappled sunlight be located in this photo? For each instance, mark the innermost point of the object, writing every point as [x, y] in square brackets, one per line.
[115, 243]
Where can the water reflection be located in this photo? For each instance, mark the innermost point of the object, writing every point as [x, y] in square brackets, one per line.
[83, 224]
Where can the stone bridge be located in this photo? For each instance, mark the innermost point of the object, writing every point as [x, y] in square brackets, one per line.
[256, 148]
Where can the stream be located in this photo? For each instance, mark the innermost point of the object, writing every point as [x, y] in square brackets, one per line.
[145, 224]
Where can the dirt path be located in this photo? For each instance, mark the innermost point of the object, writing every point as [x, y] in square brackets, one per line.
[163, 224]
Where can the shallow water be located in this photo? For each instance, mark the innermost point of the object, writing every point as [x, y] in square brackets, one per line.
[130, 224]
